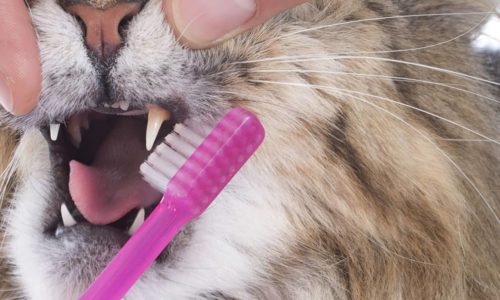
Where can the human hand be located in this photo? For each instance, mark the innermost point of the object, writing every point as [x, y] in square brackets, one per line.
[203, 23]
[20, 71]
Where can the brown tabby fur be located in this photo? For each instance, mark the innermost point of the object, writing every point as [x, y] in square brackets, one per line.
[400, 221]
[7, 142]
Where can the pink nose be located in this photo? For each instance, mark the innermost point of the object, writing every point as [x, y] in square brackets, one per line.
[103, 26]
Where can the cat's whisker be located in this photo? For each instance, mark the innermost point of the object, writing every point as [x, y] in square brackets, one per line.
[486, 15]
[418, 131]
[348, 91]
[6, 180]
[243, 97]
[376, 76]
[398, 61]
[466, 140]
[383, 19]
[183, 32]
[468, 31]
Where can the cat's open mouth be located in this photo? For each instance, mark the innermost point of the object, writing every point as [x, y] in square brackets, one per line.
[96, 157]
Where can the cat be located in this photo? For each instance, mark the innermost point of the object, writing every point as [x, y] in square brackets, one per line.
[378, 178]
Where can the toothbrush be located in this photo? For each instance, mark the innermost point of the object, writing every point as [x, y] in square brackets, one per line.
[191, 171]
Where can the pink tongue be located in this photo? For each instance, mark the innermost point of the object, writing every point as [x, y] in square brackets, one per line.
[112, 186]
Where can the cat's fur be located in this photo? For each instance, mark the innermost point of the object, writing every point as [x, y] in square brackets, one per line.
[350, 197]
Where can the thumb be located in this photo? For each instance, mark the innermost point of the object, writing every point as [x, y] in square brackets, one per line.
[20, 71]
[202, 23]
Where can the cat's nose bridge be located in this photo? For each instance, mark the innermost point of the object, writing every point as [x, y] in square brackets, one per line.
[103, 27]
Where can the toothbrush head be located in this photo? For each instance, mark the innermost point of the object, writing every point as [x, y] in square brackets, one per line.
[188, 165]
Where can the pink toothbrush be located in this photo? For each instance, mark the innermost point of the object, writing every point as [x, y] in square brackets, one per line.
[192, 171]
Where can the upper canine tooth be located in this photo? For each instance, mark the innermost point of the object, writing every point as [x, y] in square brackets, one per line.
[67, 218]
[139, 219]
[54, 131]
[156, 117]
[115, 105]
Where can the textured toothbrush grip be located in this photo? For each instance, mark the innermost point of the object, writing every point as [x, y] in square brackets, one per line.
[138, 254]
[210, 168]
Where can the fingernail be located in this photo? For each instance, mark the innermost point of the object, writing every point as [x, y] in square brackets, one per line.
[6, 97]
[203, 22]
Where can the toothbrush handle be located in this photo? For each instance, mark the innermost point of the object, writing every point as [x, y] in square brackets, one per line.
[139, 252]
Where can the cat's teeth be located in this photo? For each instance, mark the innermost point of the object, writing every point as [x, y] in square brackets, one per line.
[115, 105]
[75, 126]
[54, 131]
[124, 105]
[67, 218]
[75, 133]
[139, 219]
[156, 117]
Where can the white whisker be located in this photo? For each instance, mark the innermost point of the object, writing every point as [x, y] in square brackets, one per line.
[6, 179]
[382, 19]
[347, 91]
[467, 140]
[191, 22]
[472, 28]
[424, 136]
[383, 77]
[434, 68]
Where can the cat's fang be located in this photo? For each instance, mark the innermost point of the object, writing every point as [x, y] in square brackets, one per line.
[156, 117]
[66, 216]
[139, 219]
[54, 131]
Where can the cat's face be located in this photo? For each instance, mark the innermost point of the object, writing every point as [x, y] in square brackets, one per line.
[151, 67]
[294, 202]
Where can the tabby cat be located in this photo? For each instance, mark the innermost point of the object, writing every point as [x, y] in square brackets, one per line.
[378, 179]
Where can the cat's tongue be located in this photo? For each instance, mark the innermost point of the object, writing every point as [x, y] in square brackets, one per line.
[108, 189]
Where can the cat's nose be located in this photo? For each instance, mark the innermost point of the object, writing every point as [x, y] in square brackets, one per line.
[104, 28]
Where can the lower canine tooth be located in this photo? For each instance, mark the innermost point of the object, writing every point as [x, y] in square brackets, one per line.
[139, 219]
[67, 218]
[156, 117]
[54, 131]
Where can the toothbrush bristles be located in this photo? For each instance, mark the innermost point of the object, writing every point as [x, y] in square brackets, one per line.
[170, 156]
[191, 136]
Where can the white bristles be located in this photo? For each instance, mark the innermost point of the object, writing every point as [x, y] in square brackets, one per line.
[170, 156]
[153, 177]
[165, 151]
[188, 134]
[180, 145]
[163, 165]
